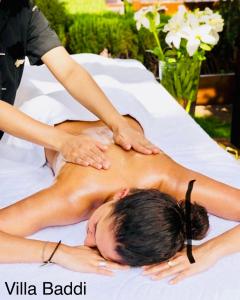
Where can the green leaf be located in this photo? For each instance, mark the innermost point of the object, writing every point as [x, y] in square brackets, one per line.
[170, 53]
[205, 47]
[171, 60]
[177, 84]
[157, 52]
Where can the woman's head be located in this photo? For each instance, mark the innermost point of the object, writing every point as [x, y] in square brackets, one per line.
[143, 227]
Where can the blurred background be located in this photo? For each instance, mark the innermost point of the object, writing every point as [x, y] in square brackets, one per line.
[90, 26]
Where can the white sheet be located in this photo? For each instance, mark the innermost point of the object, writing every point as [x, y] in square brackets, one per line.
[166, 124]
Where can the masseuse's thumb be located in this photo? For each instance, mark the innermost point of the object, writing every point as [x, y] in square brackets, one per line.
[125, 146]
[123, 143]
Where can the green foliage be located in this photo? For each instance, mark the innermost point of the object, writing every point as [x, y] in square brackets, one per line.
[57, 16]
[128, 7]
[91, 33]
[85, 6]
[214, 126]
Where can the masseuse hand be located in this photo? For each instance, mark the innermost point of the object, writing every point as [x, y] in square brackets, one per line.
[129, 137]
[84, 151]
[85, 259]
[179, 266]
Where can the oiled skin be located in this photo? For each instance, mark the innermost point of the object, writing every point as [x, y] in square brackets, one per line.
[77, 190]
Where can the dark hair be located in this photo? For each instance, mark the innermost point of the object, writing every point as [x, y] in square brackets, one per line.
[149, 226]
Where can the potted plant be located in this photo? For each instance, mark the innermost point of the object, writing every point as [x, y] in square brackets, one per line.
[188, 35]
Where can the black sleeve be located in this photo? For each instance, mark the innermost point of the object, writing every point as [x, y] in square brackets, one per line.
[0, 89]
[41, 38]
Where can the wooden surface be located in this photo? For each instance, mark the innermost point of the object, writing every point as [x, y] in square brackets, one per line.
[217, 89]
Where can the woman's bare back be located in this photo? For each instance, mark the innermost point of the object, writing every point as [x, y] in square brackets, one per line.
[77, 190]
[128, 168]
[134, 170]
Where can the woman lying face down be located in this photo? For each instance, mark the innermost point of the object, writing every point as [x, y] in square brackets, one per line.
[139, 225]
[142, 227]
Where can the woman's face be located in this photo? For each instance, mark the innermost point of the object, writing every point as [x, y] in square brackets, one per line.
[100, 232]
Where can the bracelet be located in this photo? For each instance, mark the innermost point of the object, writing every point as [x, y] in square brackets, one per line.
[49, 261]
[43, 251]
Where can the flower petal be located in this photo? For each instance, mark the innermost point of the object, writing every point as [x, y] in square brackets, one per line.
[192, 46]
[209, 39]
[176, 41]
[145, 22]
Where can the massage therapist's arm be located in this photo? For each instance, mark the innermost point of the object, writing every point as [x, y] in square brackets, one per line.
[73, 148]
[206, 255]
[84, 89]
[80, 259]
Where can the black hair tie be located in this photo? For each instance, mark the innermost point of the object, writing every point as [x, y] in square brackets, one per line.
[188, 222]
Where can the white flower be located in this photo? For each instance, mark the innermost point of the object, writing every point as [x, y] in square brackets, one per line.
[173, 38]
[177, 21]
[215, 20]
[142, 18]
[195, 34]
[174, 27]
[196, 27]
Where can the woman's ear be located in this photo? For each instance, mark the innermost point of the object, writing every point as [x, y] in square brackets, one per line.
[121, 194]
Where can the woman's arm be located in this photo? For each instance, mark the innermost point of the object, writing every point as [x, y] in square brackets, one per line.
[80, 259]
[218, 198]
[18, 250]
[206, 255]
[49, 207]
[76, 149]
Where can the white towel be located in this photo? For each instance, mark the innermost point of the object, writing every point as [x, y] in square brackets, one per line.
[133, 90]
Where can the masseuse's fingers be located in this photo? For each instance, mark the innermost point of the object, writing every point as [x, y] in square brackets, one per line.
[101, 146]
[81, 162]
[84, 151]
[93, 162]
[101, 158]
[148, 145]
[129, 137]
[95, 156]
[142, 147]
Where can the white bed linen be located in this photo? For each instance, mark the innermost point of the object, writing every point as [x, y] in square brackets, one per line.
[133, 90]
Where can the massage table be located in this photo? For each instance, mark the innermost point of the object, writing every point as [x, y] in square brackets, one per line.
[133, 90]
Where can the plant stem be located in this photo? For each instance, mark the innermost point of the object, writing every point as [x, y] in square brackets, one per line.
[188, 107]
[159, 45]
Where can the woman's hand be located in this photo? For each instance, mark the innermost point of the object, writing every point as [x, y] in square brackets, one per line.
[179, 266]
[84, 151]
[85, 259]
[129, 137]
